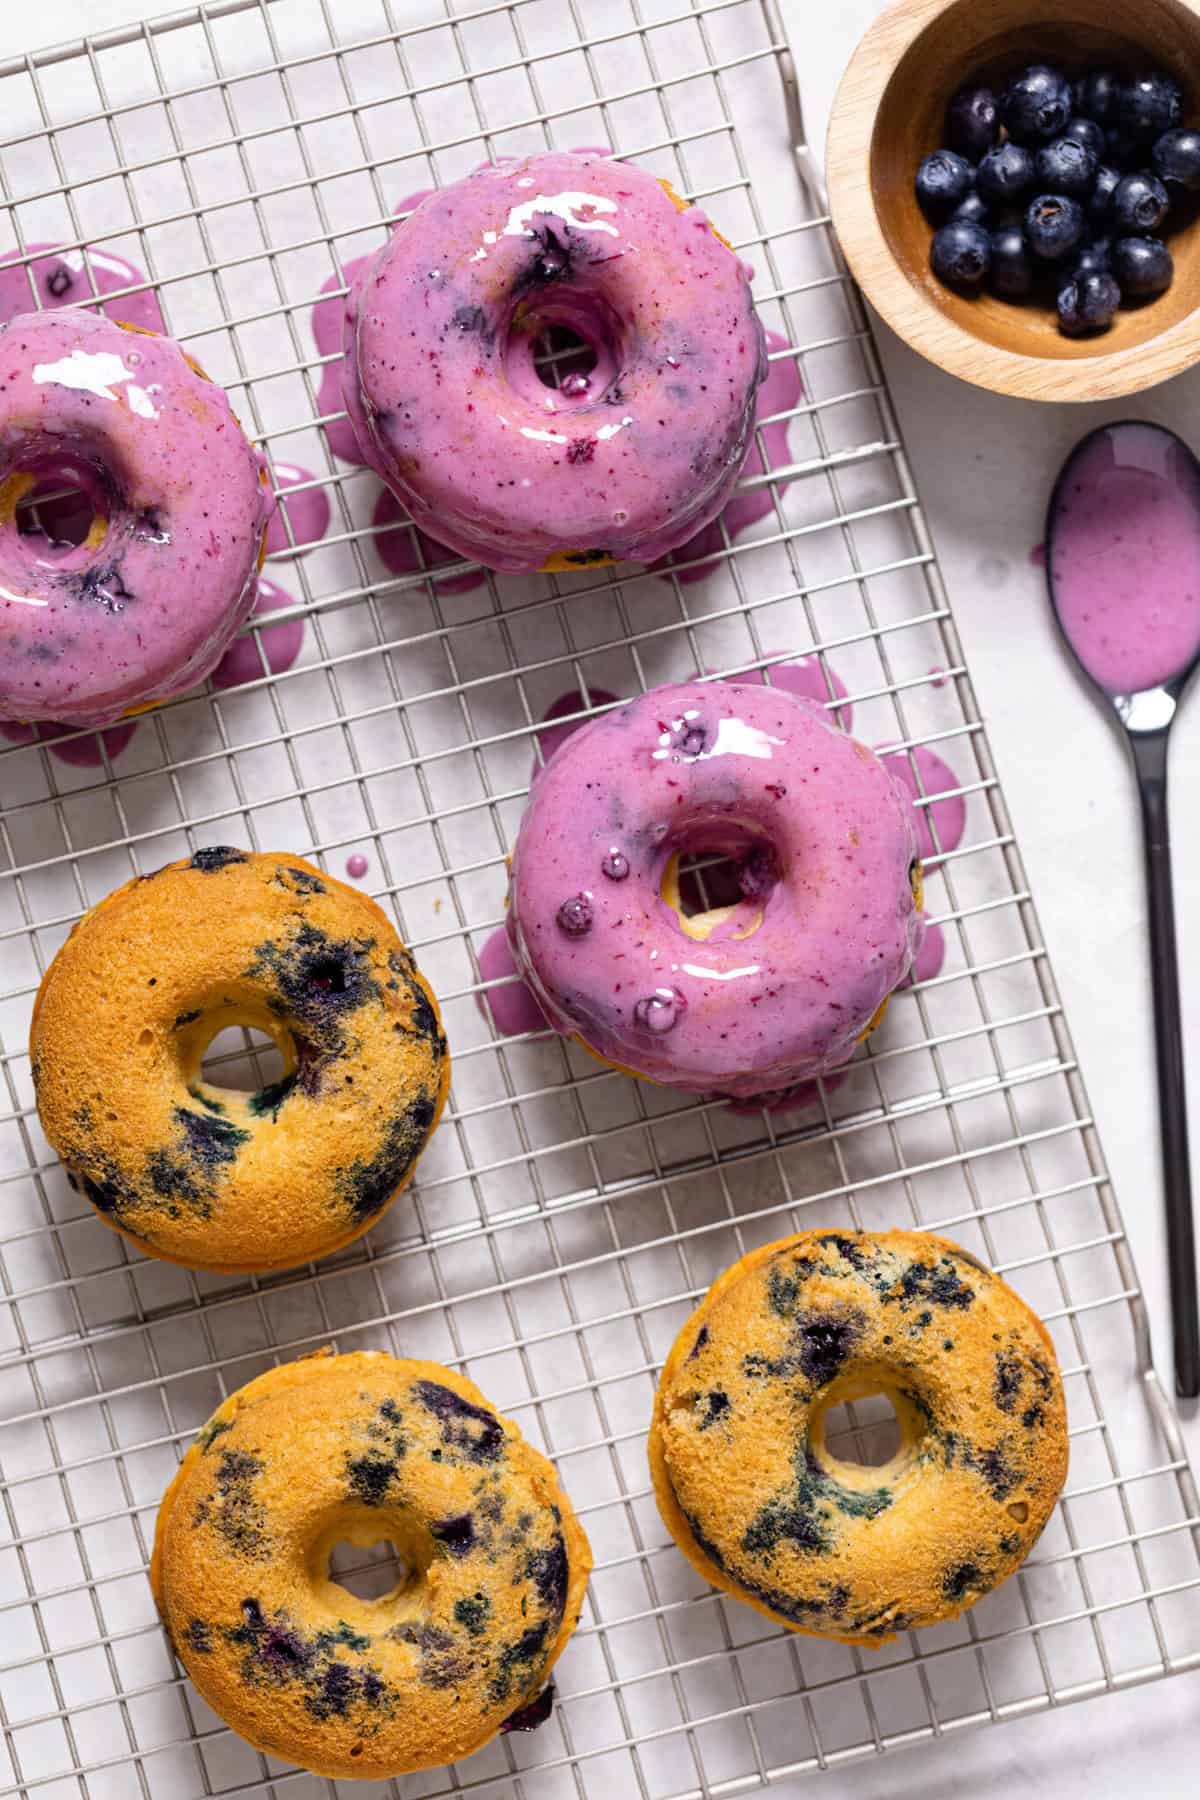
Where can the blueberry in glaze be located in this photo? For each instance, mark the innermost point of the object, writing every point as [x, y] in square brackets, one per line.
[575, 915]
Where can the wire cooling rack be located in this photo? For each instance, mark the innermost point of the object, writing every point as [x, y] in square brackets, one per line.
[566, 1217]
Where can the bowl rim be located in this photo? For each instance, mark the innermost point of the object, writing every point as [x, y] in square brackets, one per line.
[913, 315]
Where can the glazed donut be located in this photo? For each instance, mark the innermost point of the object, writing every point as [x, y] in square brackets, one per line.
[628, 461]
[743, 1000]
[211, 1176]
[748, 1487]
[362, 1448]
[146, 606]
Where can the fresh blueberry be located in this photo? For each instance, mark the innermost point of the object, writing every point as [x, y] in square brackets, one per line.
[1054, 226]
[1036, 105]
[972, 122]
[1177, 159]
[1150, 104]
[1107, 181]
[1066, 166]
[944, 180]
[1139, 204]
[1012, 273]
[1094, 259]
[1005, 175]
[1143, 266]
[1086, 132]
[961, 254]
[1097, 95]
[974, 209]
[1087, 303]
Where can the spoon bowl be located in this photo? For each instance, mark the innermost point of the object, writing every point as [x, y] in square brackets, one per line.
[1123, 567]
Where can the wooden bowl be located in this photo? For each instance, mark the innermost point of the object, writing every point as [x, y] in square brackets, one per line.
[889, 113]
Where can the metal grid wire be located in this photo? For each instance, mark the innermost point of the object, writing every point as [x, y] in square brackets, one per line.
[566, 1218]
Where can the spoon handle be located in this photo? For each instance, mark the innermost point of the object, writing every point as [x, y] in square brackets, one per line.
[1150, 760]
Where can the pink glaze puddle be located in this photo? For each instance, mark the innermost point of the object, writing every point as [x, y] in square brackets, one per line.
[938, 778]
[512, 1007]
[938, 676]
[357, 866]
[62, 278]
[280, 643]
[307, 512]
[80, 752]
[1125, 557]
[779, 393]
[405, 550]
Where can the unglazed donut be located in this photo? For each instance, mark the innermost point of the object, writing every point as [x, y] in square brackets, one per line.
[362, 1448]
[440, 383]
[146, 606]
[748, 1487]
[211, 1176]
[757, 996]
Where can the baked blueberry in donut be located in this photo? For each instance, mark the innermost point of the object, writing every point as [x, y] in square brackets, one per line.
[213, 1176]
[749, 1486]
[493, 1562]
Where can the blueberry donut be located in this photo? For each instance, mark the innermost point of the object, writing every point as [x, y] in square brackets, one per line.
[628, 460]
[748, 1486]
[148, 603]
[744, 999]
[358, 1449]
[212, 1176]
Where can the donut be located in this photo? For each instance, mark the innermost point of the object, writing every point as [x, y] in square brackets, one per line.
[748, 1486]
[362, 1448]
[147, 604]
[211, 1176]
[627, 461]
[745, 999]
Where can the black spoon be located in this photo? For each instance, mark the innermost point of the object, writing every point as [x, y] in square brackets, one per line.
[1123, 565]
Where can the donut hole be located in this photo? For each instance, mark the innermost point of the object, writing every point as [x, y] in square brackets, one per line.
[864, 1432]
[58, 514]
[242, 1059]
[564, 348]
[719, 880]
[56, 505]
[561, 357]
[368, 1571]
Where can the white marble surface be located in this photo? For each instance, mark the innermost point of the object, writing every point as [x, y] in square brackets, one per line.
[1070, 792]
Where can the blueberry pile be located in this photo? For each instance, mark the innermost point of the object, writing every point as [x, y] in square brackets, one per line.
[1061, 189]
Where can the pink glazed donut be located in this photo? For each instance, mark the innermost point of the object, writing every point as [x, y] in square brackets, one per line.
[148, 603]
[628, 461]
[745, 999]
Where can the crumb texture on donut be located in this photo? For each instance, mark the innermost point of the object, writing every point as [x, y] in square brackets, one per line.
[364, 1448]
[212, 1176]
[749, 1488]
